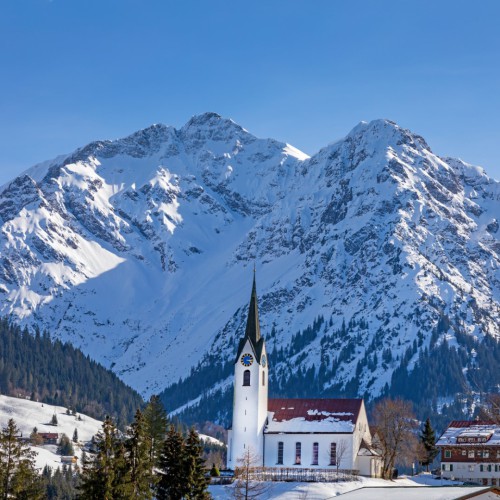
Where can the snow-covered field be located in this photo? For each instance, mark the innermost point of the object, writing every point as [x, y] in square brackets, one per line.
[419, 487]
[29, 414]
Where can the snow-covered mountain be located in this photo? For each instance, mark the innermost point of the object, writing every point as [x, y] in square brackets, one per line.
[140, 251]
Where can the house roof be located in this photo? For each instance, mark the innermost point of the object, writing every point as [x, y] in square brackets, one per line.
[470, 433]
[365, 450]
[313, 415]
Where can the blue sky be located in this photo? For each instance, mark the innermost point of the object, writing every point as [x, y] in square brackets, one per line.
[304, 72]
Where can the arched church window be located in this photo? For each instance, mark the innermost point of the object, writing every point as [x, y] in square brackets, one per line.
[263, 378]
[315, 454]
[246, 377]
[298, 453]
[280, 452]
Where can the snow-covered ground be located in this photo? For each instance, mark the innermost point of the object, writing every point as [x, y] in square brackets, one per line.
[29, 414]
[418, 487]
[211, 439]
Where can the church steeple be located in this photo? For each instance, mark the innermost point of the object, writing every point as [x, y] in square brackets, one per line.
[251, 370]
[252, 330]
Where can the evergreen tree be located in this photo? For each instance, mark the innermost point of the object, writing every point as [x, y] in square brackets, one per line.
[54, 420]
[35, 438]
[196, 483]
[156, 421]
[171, 485]
[428, 440]
[75, 436]
[121, 480]
[65, 446]
[60, 485]
[18, 476]
[99, 471]
[214, 471]
[139, 477]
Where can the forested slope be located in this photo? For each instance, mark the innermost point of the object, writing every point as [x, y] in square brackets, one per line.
[55, 372]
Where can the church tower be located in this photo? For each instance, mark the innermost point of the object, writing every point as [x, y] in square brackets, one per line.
[250, 391]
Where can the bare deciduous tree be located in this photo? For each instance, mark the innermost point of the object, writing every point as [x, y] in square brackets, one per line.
[490, 410]
[245, 485]
[395, 438]
[341, 449]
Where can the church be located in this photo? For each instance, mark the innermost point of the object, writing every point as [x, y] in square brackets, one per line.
[307, 433]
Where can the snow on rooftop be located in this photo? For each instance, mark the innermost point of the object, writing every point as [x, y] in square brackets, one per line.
[312, 415]
[470, 433]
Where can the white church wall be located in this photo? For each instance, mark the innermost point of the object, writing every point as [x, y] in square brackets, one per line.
[307, 441]
[249, 410]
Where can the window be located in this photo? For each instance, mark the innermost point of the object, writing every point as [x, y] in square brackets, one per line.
[298, 453]
[246, 377]
[471, 468]
[333, 454]
[486, 454]
[315, 454]
[481, 468]
[464, 452]
[448, 467]
[263, 378]
[280, 452]
[489, 467]
[447, 453]
[471, 454]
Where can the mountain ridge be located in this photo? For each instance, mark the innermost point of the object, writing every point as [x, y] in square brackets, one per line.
[145, 243]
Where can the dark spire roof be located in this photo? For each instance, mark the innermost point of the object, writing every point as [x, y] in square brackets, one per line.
[252, 330]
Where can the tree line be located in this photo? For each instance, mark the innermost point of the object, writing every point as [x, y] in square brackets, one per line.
[42, 368]
[153, 458]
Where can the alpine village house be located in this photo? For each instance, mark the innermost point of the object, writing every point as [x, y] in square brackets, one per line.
[292, 433]
[470, 451]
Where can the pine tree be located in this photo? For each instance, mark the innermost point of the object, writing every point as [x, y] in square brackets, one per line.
[98, 474]
[428, 440]
[18, 476]
[156, 421]
[35, 438]
[54, 420]
[139, 477]
[75, 436]
[65, 446]
[194, 468]
[171, 485]
[214, 471]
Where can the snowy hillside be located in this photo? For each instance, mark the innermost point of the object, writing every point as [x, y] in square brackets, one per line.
[140, 251]
[29, 414]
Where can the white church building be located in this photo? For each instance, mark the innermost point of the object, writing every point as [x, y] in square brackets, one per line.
[304, 433]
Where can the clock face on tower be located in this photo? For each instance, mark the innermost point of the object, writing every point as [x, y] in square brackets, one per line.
[246, 359]
[264, 361]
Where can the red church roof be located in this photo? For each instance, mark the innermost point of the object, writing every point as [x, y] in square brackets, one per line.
[330, 415]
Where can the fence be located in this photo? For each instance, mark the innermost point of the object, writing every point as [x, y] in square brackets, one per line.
[297, 474]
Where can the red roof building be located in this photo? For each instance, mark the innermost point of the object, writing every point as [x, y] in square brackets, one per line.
[470, 451]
